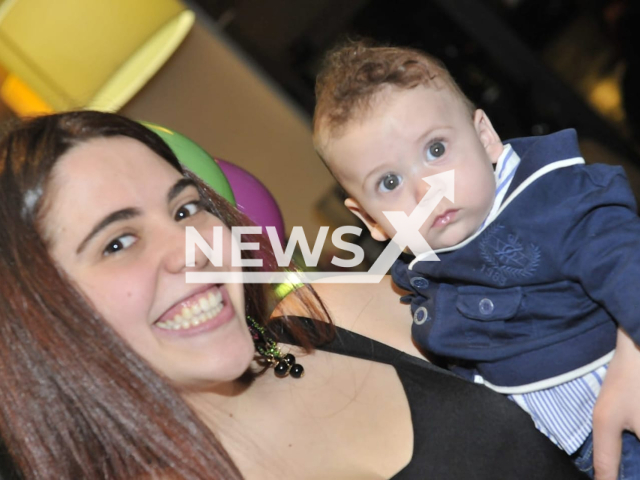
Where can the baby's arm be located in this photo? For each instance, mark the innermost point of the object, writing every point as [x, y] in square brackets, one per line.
[601, 251]
[599, 237]
[617, 408]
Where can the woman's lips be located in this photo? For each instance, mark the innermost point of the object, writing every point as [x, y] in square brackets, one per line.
[202, 312]
[187, 301]
[444, 219]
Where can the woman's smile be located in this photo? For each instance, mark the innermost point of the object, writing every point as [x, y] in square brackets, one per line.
[193, 334]
[202, 312]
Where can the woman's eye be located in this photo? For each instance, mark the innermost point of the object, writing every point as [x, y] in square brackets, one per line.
[188, 209]
[118, 244]
[390, 182]
[435, 151]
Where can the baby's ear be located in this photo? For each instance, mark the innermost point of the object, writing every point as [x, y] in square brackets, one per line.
[488, 136]
[377, 233]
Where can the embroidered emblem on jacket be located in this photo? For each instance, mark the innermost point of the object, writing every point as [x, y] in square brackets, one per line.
[506, 256]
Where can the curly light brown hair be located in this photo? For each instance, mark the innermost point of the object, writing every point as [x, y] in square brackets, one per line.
[355, 72]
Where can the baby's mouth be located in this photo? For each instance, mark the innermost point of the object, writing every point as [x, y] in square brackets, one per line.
[444, 219]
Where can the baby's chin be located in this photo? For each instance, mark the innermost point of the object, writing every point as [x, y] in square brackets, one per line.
[453, 236]
[434, 245]
[449, 239]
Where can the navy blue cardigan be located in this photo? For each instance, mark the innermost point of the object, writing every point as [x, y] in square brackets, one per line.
[535, 294]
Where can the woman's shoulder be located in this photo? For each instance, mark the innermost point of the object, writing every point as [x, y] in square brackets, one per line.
[372, 310]
[447, 414]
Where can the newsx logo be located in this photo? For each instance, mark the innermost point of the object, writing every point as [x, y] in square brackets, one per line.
[407, 235]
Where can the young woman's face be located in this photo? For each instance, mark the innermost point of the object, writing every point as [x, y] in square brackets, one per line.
[116, 223]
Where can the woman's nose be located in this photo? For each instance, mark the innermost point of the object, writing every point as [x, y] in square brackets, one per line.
[175, 248]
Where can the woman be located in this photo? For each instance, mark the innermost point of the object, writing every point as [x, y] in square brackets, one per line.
[112, 366]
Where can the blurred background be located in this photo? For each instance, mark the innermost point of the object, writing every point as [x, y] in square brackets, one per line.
[237, 76]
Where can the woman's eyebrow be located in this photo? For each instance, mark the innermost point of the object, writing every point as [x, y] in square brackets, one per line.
[117, 216]
[127, 213]
[178, 187]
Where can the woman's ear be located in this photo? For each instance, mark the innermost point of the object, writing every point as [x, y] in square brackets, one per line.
[488, 136]
[377, 233]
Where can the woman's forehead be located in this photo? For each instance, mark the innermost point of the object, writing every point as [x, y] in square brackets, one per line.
[113, 162]
[103, 175]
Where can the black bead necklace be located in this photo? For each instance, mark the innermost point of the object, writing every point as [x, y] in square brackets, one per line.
[268, 348]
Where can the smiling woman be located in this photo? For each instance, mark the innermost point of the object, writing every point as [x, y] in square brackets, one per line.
[112, 366]
[83, 232]
[85, 391]
[131, 265]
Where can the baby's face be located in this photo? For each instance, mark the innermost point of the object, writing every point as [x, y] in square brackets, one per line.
[407, 135]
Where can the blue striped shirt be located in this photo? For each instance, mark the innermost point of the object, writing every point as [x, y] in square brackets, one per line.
[564, 412]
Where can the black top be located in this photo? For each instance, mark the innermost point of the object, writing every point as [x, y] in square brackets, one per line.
[461, 430]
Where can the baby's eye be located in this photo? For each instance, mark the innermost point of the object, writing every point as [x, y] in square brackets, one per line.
[435, 151]
[118, 244]
[188, 209]
[390, 182]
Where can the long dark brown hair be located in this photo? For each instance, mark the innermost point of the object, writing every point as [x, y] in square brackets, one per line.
[75, 400]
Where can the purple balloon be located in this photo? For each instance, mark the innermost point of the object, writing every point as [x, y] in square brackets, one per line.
[252, 198]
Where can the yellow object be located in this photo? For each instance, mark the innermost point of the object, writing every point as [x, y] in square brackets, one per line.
[20, 98]
[605, 96]
[285, 288]
[89, 53]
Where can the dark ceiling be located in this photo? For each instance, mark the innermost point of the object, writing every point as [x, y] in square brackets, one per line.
[531, 64]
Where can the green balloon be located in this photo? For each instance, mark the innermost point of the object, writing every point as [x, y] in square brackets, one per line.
[192, 156]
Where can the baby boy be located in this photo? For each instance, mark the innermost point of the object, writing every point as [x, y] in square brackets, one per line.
[537, 252]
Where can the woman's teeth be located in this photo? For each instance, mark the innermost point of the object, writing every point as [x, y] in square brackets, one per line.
[205, 309]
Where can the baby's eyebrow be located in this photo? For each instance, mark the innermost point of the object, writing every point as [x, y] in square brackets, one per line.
[117, 216]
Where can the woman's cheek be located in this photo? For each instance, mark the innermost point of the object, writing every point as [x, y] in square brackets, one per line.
[120, 299]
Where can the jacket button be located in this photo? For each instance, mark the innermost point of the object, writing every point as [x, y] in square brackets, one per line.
[419, 282]
[421, 316]
[485, 306]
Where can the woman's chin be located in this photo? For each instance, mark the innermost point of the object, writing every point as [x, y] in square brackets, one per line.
[222, 382]
[211, 363]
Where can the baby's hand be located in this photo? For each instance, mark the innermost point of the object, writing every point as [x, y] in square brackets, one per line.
[617, 408]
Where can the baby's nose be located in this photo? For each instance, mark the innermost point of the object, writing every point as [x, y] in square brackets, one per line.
[420, 190]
